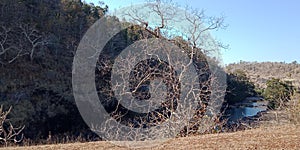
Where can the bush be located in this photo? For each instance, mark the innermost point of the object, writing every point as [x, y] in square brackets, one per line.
[278, 93]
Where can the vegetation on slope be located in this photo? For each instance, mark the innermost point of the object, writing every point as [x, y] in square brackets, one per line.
[260, 72]
[38, 39]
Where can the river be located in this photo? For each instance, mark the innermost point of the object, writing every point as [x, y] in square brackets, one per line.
[251, 106]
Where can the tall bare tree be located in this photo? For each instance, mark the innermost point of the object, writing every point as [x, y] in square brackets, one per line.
[144, 81]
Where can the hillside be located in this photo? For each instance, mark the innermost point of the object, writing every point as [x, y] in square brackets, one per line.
[39, 41]
[279, 137]
[259, 73]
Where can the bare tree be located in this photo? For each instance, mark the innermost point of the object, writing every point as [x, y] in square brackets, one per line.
[34, 37]
[154, 82]
[199, 46]
[7, 44]
[196, 30]
[9, 133]
[20, 40]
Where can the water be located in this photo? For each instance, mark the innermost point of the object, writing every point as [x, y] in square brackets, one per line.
[247, 108]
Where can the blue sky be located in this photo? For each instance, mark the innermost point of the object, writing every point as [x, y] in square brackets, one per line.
[258, 30]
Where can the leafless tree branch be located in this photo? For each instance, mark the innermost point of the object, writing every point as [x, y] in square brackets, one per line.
[8, 132]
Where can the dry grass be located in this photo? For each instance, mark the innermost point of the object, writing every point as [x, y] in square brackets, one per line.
[276, 137]
[294, 109]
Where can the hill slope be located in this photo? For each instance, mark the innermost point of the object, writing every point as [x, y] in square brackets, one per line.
[259, 73]
[280, 137]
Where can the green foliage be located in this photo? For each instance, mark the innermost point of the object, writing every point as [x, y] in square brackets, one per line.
[259, 91]
[278, 92]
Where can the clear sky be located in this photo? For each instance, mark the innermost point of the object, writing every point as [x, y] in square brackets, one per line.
[258, 30]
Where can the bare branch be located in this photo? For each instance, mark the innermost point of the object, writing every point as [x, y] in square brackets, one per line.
[34, 38]
[8, 132]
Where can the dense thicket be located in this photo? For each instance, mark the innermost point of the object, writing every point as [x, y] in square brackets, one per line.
[38, 39]
[239, 87]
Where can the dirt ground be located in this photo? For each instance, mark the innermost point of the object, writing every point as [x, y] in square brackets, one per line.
[274, 137]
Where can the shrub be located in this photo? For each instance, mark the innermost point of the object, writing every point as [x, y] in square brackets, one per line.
[277, 93]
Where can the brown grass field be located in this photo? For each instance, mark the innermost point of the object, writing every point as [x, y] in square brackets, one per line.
[276, 137]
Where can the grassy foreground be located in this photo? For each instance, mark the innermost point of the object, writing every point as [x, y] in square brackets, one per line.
[277, 137]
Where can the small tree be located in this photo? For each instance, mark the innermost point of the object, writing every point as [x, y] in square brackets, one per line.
[8, 133]
[277, 92]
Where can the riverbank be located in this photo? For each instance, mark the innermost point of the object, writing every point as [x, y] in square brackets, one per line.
[268, 118]
[245, 114]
